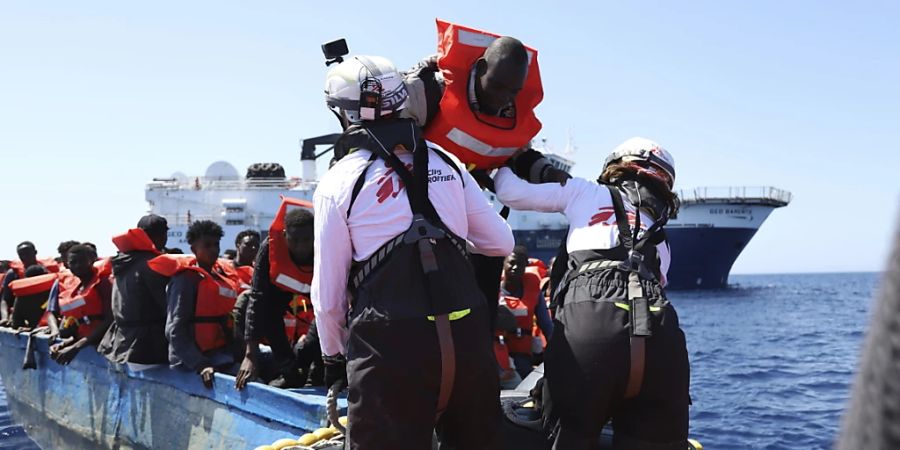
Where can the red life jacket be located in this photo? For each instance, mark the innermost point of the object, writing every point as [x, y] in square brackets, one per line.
[475, 138]
[216, 295]
[234, 274]
[501, 354]
[245, 276]
[537, 266]
[523, 311]
[298, 318]
[287, 276]
[134, 239]
[49, 263]
[103, 267]
[81, 304]
[32, 285]
[282, 270]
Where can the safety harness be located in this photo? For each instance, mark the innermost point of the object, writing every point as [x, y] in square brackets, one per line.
[426, 234]
[635, 255]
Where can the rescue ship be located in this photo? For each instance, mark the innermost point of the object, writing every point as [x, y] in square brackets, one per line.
[712, 228]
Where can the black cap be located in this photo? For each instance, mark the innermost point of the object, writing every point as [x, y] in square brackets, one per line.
[151, 223]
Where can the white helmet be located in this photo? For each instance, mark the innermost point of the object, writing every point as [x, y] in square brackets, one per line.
[641, 150]
[372, 80]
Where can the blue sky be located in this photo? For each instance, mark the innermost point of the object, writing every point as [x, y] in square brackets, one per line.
[96, 98]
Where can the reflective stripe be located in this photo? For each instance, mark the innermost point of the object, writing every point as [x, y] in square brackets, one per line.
[475, 39]
[77, 303]
[519, 311]
[225, 292]
[291, 283]
[290, 322]
[628, 308]
[463, 139]
[455, 315]
[599, 265]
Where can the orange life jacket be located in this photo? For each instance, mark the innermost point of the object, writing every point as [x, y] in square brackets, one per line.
[32, 285]
[523, 311]
[49, 263]
[298, 318]
[245, 276]
[134, 239]
[501, 354]
[81, 304]
[475, 138]
[216, 295]
[282, 270]
[287, 276]
[537, 266]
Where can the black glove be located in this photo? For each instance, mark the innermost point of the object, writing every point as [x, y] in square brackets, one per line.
[335, 372]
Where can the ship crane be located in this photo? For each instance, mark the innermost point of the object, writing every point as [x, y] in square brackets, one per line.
[308, 155]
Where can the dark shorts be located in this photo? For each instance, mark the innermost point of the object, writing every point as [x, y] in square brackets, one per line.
[587, 365]
[394, 372]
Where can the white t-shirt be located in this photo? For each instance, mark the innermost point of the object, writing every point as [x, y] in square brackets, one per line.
[380, 212]
[586, 204]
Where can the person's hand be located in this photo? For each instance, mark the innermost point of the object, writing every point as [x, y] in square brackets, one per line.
[554, 175]
[206, 374]
[5, 323]
[335, 372]
[246, 373]
[66, 354]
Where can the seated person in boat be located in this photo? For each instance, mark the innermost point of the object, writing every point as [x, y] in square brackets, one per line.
[247, 247]
[63, 250]
[27, 257]
[278, 309]
[84, 296]
[137, 335]
[520, 294]
[201, 295]
[30, 294]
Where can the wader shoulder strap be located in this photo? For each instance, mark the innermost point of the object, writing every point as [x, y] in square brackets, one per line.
[360, 181]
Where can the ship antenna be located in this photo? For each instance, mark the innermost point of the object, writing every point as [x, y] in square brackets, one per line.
[571, 148]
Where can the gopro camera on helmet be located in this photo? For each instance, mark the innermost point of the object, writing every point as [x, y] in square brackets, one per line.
[335, 51]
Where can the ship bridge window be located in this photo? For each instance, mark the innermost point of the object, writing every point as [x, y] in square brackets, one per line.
[234, 222]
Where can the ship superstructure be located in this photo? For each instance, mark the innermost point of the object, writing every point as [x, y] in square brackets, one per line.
[712, 228]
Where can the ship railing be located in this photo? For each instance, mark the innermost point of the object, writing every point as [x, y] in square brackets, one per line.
[186, 219]
[765, 195]
[203, 183]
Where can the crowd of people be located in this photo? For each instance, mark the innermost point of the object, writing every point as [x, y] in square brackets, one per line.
[400, 281]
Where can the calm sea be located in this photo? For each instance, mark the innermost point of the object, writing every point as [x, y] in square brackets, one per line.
[772, 358]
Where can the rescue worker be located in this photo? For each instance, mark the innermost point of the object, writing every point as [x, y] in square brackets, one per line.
[84, 303]
[27, 257]
[279, 310]
[520, 293]
[393, 219]
[617, 351]
[200, 298]
[476, 98]
[137, 334]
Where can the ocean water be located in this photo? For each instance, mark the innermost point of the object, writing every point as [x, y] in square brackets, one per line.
[12, 435]
[772, 359]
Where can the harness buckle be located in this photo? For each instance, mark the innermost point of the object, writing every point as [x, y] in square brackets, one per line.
[420, 229]
[634, 261]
